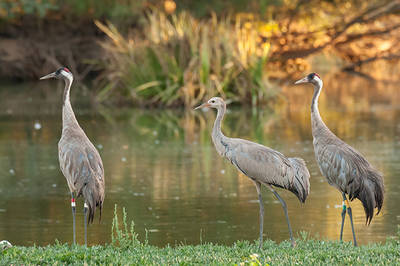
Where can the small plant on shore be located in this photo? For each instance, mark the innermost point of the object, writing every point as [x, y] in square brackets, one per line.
[180, 60]
[120, 235]
[252, 260]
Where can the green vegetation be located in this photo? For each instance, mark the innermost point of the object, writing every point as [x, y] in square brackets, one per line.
[307, 252]
[119, 10]
[112, 9]
[180, 60]
[126, 249]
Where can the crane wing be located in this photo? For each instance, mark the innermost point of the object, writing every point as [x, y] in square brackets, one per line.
[343, 166]
[79, 161]
[261, 163]
[268, 166]
[346, 169]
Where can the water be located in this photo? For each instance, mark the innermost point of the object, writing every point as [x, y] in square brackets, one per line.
[162, 167]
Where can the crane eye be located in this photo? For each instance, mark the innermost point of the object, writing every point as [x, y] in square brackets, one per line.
[212, 101]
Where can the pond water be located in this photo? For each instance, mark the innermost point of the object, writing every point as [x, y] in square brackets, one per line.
[161, 165]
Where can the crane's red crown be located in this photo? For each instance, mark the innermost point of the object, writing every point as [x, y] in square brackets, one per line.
[58, 72]
[311, 76]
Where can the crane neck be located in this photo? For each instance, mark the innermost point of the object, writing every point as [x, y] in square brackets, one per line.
[216, 132]
[316, 121]
[68, 115]
[317, 92]
[68, 82]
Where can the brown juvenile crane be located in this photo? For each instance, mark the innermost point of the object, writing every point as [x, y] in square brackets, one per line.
[342, 165]
[80, 161]
[263, 165]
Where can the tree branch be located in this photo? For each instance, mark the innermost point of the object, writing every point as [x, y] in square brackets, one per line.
[369, 60]
[353, 37]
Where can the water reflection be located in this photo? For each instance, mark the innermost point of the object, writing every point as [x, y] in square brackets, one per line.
[161, 165]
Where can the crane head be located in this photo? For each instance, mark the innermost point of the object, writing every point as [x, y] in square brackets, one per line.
[313, 78]
[214, 102]
[61, 73]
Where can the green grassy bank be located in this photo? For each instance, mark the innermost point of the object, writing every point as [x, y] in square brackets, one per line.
[307, 251]
[127, 249]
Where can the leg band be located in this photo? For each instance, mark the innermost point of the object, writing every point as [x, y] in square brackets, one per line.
[72, 202]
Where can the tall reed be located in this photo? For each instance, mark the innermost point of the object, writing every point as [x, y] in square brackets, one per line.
[180, 60]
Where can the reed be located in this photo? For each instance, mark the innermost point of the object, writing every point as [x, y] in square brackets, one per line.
[180, 60]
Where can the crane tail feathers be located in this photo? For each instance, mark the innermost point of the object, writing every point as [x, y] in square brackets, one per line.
[93, 192]
[100, 209]
[371, 194]
[301, 181]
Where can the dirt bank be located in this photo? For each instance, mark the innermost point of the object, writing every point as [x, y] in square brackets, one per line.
[31, 48]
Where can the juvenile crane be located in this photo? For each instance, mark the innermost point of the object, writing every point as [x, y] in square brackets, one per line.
[263, 165]
[342, 165]
[80, 161]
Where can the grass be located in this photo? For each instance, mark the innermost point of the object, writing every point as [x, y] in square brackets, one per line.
[307, 252]
[180, 60]
[126, 249]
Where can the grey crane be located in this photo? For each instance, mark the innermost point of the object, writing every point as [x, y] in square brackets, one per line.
[80, 161]
[263, 165]
[342, 165]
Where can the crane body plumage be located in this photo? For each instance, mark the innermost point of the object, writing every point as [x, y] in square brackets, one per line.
[261, 164]
[268, 166]
[342, 165]
[80, 162]
[347, 170]
[81, 165]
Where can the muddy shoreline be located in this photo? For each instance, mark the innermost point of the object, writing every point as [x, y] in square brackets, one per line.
[30, 48]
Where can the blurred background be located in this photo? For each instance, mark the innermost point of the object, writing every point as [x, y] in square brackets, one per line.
[140, 66]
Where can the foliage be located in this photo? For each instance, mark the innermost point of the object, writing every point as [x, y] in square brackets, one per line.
[86, 9]
[182, 60]
[13, 8]
[126, 249]
[118, 10]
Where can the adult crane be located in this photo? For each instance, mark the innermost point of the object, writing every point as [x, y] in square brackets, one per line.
[342, 165]
[263, 165]
[80, 161]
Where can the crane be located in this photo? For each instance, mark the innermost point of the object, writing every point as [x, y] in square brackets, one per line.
[342, 165]
[80, 161]
[263, 165]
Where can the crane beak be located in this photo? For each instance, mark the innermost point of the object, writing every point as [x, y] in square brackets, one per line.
[49, 76]
[303, 80]
[202, 106]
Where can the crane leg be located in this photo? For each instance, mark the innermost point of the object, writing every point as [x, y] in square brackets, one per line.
[286, 214]
[343, 216]
[73, 207]
[85, 210]
[350, 213]
[258, 187]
